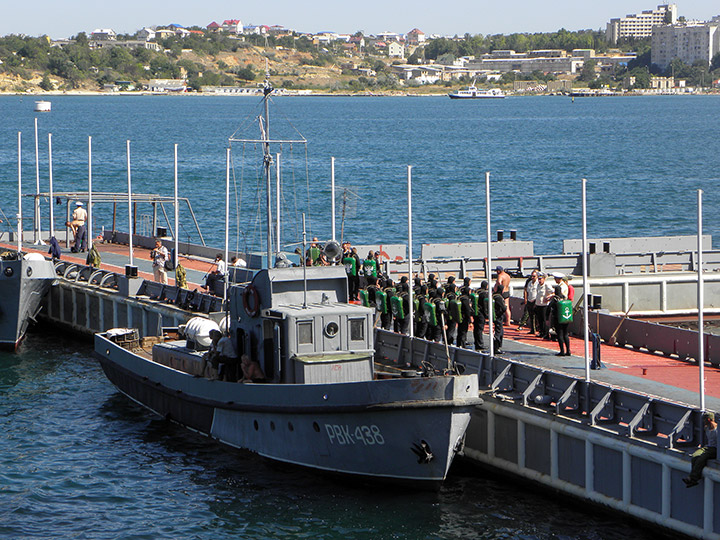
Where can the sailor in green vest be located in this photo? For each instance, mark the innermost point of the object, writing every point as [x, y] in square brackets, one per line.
[450, 286]
[386, 318]
[435, 321]
[560, 309]
[402, 313]
[499, 315]
[432, 282]
[370, 291]
[314, 251]
[466, 314]
[369, 266]
[453, 316]
[421, 320]
[480, 304]
[351, 261]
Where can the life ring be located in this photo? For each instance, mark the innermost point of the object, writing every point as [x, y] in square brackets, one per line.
[251, 300]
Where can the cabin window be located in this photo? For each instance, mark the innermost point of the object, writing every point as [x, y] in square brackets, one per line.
[331, 329]
[357, 329]
[305, 332]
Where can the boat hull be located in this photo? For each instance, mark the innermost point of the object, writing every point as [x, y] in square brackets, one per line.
[23, 285]
[373, 429]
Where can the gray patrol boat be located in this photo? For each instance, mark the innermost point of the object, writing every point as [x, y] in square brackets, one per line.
[24, 282]
[326, 403]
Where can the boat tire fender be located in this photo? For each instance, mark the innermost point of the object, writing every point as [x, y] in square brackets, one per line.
[251, 300]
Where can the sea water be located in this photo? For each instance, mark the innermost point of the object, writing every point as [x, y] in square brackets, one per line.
[79, 460]
[644, 159]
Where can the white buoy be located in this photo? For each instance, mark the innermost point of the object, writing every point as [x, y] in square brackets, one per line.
[43, 106]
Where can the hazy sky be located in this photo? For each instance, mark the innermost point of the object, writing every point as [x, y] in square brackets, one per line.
[64, 18]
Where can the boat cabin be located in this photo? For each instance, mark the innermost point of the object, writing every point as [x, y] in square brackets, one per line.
[301, 328]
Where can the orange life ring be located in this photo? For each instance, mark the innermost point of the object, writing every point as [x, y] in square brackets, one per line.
[251, 300]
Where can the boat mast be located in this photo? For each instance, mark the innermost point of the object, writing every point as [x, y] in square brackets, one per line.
[19, 214]
[267, 164]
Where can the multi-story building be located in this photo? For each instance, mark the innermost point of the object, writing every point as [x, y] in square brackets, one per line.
[640, 24]
[689, 42]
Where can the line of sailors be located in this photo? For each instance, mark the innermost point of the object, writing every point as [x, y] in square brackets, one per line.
[441, 312]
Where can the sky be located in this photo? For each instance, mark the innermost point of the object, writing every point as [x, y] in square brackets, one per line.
[60, 19]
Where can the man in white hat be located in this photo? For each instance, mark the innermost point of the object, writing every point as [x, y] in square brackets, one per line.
[77, 225]
[560, 280]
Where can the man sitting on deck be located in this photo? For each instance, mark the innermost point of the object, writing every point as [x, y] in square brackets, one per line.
[706, 453]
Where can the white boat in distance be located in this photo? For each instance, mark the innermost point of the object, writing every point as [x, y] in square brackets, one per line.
[472, 92]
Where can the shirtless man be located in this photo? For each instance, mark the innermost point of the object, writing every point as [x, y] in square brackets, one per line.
[252, 372]
[502, 286]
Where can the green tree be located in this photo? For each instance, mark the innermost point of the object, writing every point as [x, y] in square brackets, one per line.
[46, 84]
[588, 71]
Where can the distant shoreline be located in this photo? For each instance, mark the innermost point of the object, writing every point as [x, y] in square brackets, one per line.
[46, 95]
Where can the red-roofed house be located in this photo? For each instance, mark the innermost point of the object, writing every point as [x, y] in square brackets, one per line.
[213, 27]
[232, 26]
[415, 37]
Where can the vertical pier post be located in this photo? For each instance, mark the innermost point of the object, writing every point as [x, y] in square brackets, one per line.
[586, 285]
[491, 329]
[411, 313]
[701, 303]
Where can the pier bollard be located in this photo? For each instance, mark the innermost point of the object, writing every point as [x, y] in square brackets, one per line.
[129, 284]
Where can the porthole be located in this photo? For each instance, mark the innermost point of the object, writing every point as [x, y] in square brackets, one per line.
[331, 329]
[255, 425]
[8, 271]
[29, 271]
[272, 426]
[290, 426]
[316, 427]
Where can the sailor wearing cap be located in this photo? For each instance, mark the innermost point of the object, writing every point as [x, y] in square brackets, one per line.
[706, 453]
[560, 279]
[77, 225]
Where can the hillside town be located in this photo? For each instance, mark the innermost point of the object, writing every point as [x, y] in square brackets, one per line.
[654, 51]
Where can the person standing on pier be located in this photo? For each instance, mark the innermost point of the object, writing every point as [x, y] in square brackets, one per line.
[158, 256]
[706, 453]
[77, 224]
[481, 315]
[502, 286]
[542, 300]
[529, 296]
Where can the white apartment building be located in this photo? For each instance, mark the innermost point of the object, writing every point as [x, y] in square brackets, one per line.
[639, 24]
[686, 41]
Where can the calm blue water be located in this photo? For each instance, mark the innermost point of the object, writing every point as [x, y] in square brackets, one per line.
[644, 158]
[77, 460]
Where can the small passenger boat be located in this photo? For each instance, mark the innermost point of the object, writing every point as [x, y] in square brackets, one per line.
[472, 92]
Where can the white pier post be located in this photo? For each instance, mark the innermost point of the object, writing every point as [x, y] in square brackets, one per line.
[227, 222]
[38, 225]
[332, 195]
[19, 214]
[90, 215]
[586, 285]
[278, 247]
[50, 178]
[491, 329]
[130, 220]
[411, 313]
[701, 304]
[177, 211]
